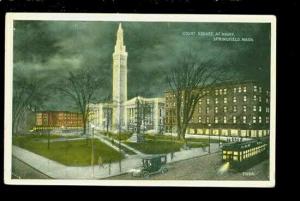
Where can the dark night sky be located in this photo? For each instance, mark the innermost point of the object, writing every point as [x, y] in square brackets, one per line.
[51, 49]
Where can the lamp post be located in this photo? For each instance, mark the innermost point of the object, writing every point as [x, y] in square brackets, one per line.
[219, 138]
[92, 152]
[209, 125]
[249, 130]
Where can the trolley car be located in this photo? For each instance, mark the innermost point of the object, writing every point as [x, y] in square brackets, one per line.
[244, 155]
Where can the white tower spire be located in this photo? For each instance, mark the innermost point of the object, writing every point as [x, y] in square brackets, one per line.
[119, 80]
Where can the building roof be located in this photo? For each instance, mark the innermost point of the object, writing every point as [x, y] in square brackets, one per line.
[230, 83]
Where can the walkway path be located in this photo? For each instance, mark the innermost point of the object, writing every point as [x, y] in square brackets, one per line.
[107, 141]
[216, 137]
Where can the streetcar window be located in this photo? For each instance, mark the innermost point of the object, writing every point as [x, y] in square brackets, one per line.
[224, 152]
[235, 153]
[224, 156]
[235, 158]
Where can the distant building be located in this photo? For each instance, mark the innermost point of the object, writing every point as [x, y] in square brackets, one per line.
[58, 119]
[229, 109]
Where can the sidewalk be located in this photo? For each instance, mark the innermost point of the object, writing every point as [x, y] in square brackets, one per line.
[215, 137]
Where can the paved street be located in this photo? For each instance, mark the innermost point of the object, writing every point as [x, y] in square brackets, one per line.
[205, 168]
[21, 170]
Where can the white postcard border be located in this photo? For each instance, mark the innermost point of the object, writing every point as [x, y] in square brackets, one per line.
[10, 17]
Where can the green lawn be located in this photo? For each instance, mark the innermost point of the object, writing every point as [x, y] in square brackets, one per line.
[162, 144]
[122, 136]
[71, 153]
[156, 147]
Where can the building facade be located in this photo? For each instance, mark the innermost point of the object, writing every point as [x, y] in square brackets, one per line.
[230, 109]
[121, 114]
[58, 119]
[145, 113]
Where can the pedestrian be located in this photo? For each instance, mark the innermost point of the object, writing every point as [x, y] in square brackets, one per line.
[100, 162]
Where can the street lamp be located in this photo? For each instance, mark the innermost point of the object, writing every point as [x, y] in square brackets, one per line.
[249, 130]
[92, 152]
[209, 125]
[219, 137]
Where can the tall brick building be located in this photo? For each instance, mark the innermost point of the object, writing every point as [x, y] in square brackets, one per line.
[229, 109]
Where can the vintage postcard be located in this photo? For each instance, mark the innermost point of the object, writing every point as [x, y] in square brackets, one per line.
[140, 100]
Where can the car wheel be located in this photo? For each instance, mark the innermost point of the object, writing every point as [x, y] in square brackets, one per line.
[146, 175]
[164, 170]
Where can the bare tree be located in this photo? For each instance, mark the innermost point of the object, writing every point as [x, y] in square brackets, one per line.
[189, 81]
[81, 88]
[29, 94]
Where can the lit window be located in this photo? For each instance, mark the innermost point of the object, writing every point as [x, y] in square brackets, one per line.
[234, 90]
[240, 89]
[259, 99]
[267, 120]
[207, 110]
[260, 89]
[234, 119]
[200, 120]
[255, 88]
[207, 119]
[216, 120]
[267, 100]
[244, 119]
[259, 119]
[254, 98]
[225, 100]
[259, 108]
[234, 99]
[234, 108]
[216, 91]
[267, 109]
[225, 109]
[221, 91]
[244, 108]
[216, 109]
[207, 101]
[200, 109]
[200, 101]
[245, 89]
[225, 119]
[254, 119]
[216, 100]
[225, 91]
[254, 108]
[245, 98]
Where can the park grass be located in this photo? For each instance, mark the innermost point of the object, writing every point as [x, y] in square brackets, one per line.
[70, 153]
[122, 136]
[163, 144]
[156, 147]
